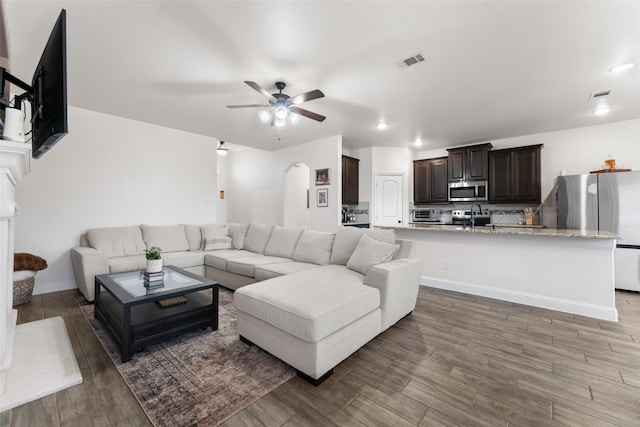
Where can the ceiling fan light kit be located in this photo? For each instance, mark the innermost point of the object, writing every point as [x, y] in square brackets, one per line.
[222, 149]
[282, 105]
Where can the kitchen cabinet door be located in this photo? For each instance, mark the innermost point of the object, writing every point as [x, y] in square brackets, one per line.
[514, 175]
[469, 163]
[421, 188]
[439, 181]
[350, 181]
[526, 175]
[430, 181]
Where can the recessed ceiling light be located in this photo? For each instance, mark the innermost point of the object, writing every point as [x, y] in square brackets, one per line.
[622, 67]
[418, 143]
[382, 126]
[601, 111]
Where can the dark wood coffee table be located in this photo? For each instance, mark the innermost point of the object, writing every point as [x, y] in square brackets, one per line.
[135, 319]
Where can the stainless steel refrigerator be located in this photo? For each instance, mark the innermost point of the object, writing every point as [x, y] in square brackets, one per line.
[611, 202]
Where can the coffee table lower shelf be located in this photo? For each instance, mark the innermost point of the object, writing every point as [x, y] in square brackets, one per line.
[137, 326]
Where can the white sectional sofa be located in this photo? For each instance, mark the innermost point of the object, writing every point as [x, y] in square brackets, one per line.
[310, 298]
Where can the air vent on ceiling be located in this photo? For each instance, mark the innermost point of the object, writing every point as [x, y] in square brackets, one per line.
[413, 60]
[600, 94]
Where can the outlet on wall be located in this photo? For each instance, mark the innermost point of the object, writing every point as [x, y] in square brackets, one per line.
[446, 265]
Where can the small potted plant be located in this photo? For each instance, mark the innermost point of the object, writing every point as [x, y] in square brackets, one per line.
[154, 260]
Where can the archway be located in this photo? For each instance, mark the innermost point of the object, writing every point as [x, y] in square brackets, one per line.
[296, 196]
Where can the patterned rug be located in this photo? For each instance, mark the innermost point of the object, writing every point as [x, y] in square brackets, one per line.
[200, 378]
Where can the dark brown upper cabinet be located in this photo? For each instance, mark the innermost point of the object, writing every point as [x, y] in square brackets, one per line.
[514, 175]
[469, 163]
[350, 170]
[430, 181]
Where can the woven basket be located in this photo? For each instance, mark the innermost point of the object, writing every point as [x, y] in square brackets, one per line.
[22, 290]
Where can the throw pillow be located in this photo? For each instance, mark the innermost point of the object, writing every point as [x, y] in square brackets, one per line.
[257, 237]
[370, 252]
[194, 236]
[347, 238]
[314, 247]
[282, 242]
[237, 233]
[217, 243]
[215, 237]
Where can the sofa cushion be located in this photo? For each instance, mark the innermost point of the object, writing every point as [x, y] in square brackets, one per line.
[247, 266]
[117, 241]
[169, 238]
[370, 252]
[217, 243]
[347, 238]
[257, 237]
[215, 237]
[183, 259]
[282, 241]
[218, 259]
[269, 271]
[237, 232]
[127, 263]
[314, 247]
[311, 304]
[193, 233]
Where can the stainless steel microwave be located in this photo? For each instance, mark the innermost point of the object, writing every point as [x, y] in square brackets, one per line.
[468, 191]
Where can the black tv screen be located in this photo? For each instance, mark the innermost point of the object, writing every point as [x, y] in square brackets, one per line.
[49, 107]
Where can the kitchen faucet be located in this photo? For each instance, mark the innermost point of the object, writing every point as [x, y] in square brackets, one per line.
[473, 220]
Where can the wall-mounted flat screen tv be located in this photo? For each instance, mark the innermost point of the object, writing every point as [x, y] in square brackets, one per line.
[49, 107]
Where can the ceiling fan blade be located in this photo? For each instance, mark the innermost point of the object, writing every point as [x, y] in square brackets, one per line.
[304, 97]
[249, 106]
[259, 89]
[308, 114]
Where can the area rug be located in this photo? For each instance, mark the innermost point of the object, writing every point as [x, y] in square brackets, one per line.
[200, 378]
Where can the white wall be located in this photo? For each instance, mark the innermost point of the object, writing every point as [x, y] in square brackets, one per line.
[110, 171]
[255, 181]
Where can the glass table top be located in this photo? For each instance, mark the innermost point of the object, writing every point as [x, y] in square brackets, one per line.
[133, 283]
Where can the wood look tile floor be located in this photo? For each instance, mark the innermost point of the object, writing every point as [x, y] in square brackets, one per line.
[458, 360]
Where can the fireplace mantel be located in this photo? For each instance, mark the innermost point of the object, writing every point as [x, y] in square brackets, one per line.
[36, 358]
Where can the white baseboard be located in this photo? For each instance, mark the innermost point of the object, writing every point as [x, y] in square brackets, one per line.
[46, 288]
[567, 306]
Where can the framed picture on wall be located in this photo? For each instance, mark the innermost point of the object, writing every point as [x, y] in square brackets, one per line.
[323, 198]
[322, 177]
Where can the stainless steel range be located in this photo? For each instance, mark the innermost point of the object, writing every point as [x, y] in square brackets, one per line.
[459, 217]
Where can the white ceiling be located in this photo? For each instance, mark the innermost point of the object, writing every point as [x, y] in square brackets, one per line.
[497, 69]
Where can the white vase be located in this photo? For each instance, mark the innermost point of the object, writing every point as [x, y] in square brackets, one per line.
[154, 265]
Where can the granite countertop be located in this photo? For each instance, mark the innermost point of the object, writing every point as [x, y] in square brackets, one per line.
[517, 230]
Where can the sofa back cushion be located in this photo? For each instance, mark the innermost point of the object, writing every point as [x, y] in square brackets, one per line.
[257, 237]
[314, 247]
[215, 237]
[117, 241]
[347, 238]
[370, 252]
[169, 238]
[237, 232]
[194, 236]
[282, 242]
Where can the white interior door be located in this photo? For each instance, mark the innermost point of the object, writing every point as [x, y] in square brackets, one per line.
[296, 196]
[389, 191]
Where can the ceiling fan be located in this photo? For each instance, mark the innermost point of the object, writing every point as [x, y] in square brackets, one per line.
[284, 104]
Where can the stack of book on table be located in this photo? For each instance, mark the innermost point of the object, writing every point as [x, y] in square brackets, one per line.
[153, 280]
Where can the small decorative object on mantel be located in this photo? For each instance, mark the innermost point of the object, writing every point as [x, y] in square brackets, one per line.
[154, 260]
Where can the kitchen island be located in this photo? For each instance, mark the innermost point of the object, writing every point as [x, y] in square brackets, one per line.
[564, 270]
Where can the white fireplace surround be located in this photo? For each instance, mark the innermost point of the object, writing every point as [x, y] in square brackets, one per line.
[36, 358]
